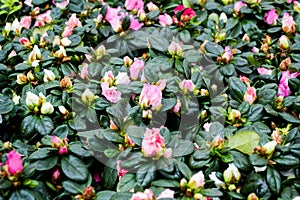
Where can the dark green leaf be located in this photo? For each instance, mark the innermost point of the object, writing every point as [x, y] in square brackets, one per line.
[74, 168]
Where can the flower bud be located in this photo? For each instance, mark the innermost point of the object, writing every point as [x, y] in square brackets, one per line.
[21, 79]
[56, 141]
[223, 17]
[151, 6]
[63, 150]
[255, 50]
[284, 42]
[231, 174]
[100, 51]
[227, 55]
[34, 55]
[198, 196]
[88, 193]
[113, 126]
[147, 114]
[66, 83]
[63, 110]
[175, 49]
[127, 61]
[252, 196]
[25, 42]
[268, 148]
[220, 36]
[61, 53]
[48, 75]
[254, 1]
[234, 115]
[87, 97]
[226, 2]
[183, 183]
[32, 100]
[30, 76]
[296, 6]
[47, 108]
[56, 175]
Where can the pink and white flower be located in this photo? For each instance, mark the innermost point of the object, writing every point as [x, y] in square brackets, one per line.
[264, 71]
[250, 95]
[187, 85]
[167, 193]
[146, 195]
[136, 67]
[110, 93]
[153, 143]
[151, 95]
[165, 20]
[134, 4]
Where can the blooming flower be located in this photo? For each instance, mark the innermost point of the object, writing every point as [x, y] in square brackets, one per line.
[25, 22]
[238, 5]
[288, 23]
[187, 85]
[146, 195]
[122, 78]
[165, 20]
[135, 24]
[73, 21]
[283, 87]
[196, 182]
[134, 4]
[14, 162]
[271, 17]
[250, 95]
[110, 93]
[264, 71]
[167, 193]
[136, 68]
[153, 143]
[61, 4]
[151, 95]
[231, 174]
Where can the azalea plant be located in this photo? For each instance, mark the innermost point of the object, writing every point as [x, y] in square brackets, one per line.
[145, 100]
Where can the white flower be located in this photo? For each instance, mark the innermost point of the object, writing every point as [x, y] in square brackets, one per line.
[48, 75]
[32, 100]
[260, 169]
[47, 108]
[223, 17]
[122, 78]
[217, 181]
[16, 99]
[66, 42]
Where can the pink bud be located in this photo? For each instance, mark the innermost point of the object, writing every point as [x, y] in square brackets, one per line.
[63, 150]
[14, 162]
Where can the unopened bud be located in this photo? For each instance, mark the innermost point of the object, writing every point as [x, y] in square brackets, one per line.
[252, 196]
[47, 108]
[88, 193]
[284, 42]
[21, 79]
[234, 115]
[175, 49]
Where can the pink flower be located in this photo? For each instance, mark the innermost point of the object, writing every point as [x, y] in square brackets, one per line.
[151, 6]
[146, 195]
[56, 141]
[153, 143]
[24, 41]
[238, 5]
[128, 140]
[289, 1]
[73, 21]
[227, 55]
[250, 95]
[179, 8]
[45, 17]
[134, 4]
[187, 85]
[68, 31]
[136, 67]
[151, 95]
[255, 50]
[113, 14]
[62, 4]
[165, 20]
[39, 23]
[56, 174]
[14, 162]
[28, 3]
[97, 177]
[108, 77]
[188, 14]
[177, 107]
[167, 193]
[85, 71]
[288, 23]
[135, 24]
[264, 71]
[110, 93]
[121, 171]
[283, 87]
[25, 22]
[63, 150]
[197, 181]
[271, 17]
